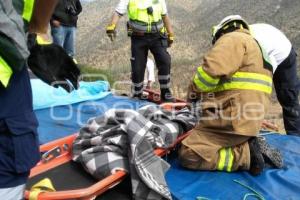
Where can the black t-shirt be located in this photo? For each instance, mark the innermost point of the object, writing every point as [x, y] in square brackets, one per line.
[67, 11]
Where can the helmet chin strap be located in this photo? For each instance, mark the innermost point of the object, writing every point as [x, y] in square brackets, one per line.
[227, 29]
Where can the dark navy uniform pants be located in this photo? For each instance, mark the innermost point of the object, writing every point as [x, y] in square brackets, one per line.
[286, 83]
[19, 146]
[157, 44]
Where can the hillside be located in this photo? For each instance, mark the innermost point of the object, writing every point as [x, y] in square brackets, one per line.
[192, 21]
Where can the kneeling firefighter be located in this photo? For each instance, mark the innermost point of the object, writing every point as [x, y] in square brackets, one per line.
[232, 91]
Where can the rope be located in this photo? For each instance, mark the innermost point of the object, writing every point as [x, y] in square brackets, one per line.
[202, 198]
[254, 194]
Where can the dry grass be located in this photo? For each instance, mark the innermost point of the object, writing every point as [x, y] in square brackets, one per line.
[192, 21]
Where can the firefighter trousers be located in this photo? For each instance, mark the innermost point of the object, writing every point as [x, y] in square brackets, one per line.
[207, 150]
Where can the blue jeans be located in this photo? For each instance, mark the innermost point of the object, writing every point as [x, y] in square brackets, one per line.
[65, 37]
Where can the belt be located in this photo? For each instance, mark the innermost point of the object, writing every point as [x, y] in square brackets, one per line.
[137, 33]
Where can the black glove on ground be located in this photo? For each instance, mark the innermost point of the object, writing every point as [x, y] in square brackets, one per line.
[53, 65]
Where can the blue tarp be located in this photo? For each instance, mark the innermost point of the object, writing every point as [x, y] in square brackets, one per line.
[71, 111]
[61, 114]
[273, 184]
[45, 96]
[60, 121]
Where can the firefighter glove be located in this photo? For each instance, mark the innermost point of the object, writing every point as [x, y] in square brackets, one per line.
[111, 31]
[52, 64]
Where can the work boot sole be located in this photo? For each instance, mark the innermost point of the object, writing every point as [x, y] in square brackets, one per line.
[271, 155]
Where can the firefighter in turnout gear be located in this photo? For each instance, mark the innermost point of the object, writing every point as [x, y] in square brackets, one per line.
[150, 29]
[231, 90]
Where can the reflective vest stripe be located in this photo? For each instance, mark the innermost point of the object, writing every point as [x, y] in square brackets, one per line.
[145, 27]
[239, 80]
[5, 72]
[28, 10]
[226, 158]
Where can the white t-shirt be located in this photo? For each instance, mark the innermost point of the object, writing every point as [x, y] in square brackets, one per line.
[275, 43]
[123, 6]
[150, 73]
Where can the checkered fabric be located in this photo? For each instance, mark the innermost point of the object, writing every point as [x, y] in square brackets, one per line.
[125, 139]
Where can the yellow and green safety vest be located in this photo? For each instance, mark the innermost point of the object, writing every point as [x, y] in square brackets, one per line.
[10, 57]
[138, 12]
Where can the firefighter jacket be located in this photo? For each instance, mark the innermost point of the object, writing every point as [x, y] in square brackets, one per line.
[232, 86]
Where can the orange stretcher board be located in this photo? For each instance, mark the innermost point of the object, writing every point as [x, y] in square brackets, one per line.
[57, 154]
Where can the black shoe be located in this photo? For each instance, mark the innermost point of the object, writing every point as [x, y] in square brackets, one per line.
[272, 156]
[257, 162]
[166, 96]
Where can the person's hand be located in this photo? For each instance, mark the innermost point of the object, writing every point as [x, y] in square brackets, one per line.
[55, 23]
[52, 64]
[170, 39]
[111, 31]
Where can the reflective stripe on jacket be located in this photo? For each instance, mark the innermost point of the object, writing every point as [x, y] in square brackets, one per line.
[239, 80]
[13, 43]
[141, 19]
[226, 158]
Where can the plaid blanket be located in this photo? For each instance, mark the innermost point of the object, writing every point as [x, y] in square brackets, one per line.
[125, 139]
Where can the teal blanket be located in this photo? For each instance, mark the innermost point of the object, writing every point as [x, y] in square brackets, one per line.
[45, 96]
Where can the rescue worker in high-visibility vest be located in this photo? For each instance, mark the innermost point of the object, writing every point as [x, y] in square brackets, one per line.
[19, 145]
[286, 81]
[231, 91]
[150, 29]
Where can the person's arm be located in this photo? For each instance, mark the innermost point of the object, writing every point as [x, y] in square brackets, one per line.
[221, 62]
[41, 16]
[225, 57]
[166, 19]
[115, 18]
[167, 23]
[78, 7]
[120, 10]
[49, 61]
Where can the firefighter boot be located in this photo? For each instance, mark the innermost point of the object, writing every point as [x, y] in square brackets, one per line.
[257, 162]
[272, 156]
